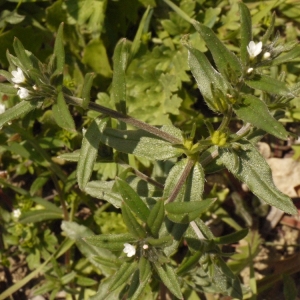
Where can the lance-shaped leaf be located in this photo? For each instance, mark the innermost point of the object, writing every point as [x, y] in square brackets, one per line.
[123, 274]
[22, 55]
[206, 76]
[102, 259]
[255, 111]
[185, 212]
[156, 218]
[292, 54]
[225, 280]
[162, 242]
[138, 36]
[250, 167]
[226, 61]
[62, 115]
[140, 143]
[7, 89]
[270, 29]
[86, 90]
[104, 190]
[120, 59]
[134, 227]
[133, 200]
[145, 269]
[193, 187]
[232, 237]
[112, 242]
[268, 84]
[189, 263]
[18, 110]
[39, 216]
[169, 278]
[59, 50]
[88, 152]
[246, 32]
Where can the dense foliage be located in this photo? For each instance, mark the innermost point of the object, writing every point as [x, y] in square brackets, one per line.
[113, 115]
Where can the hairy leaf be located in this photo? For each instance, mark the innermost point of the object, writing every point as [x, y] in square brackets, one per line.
[250, 167]
[255, 111]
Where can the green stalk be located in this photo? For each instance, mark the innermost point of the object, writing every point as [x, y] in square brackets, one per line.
[124, 118]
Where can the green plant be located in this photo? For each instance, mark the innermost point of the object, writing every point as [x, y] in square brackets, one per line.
[158, 212]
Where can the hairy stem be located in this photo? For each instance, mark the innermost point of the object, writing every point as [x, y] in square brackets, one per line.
[124, 118]
[181, 180]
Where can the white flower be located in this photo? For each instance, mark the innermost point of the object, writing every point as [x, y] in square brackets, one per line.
[2, 108]
[23, 93]
[249, 70]
[16, 213]
[145, 246]
[129, 250]
[18, 76]
[254, 49]
[266, 55]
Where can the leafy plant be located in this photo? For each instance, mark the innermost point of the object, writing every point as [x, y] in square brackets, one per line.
[164, 206]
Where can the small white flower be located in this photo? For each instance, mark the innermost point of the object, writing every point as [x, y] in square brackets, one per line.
[129, 250]
[2, 108]
[23, 93]
[266, 55]
[249, 70]
[18, 76]
[254, 49]
[16, 213]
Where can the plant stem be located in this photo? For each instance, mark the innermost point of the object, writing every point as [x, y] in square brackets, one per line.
[124, 118]
[181, 180]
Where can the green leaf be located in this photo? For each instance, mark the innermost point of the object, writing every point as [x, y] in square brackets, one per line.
[225, 280]
[185, 212]
[123, 274]
[250, 167]
[62, 115]
[59, 50]
[156, 217]
[103, 190]
[268, 84]
[189, 263]
[246, 32]
[120, 59]
[232, 237]
[226, 61]
[169, 278]
[137, 38]
[255, 111]
[22, 55]
[283, 58]
[193, 187]
[135, 291]
[102, 259]
[39, 215]
[206, 76]
[162, 242]
[86, 90]
[139, 143]
[8, 89]
[134, 227]
[95, 57]
[113, 242]
[270, 29]
[145, 269]
[132, 200]
[89, 152]
[18, 110]
[289, 287]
